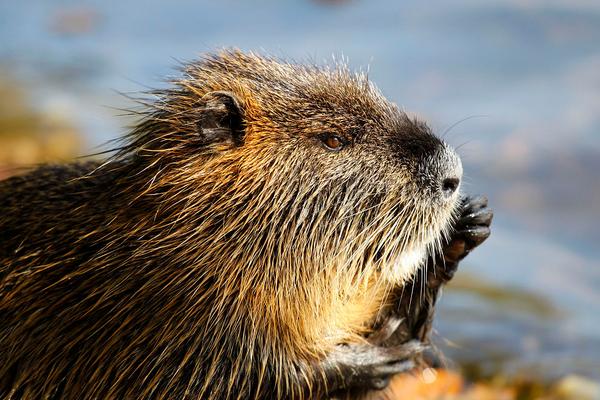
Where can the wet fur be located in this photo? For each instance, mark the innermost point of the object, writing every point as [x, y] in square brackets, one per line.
[202, 263]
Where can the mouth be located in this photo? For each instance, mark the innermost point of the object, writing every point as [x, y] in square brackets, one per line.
[403, 267]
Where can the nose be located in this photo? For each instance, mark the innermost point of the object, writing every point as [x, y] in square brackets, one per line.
[450, 185]
[450, 174]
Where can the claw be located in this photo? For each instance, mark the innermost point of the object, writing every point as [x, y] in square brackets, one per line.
[475, 235]
[472, 204]
[396, 368]
[380, 383]
[481, 217]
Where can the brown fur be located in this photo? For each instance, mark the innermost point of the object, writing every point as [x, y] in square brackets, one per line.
[195, 266]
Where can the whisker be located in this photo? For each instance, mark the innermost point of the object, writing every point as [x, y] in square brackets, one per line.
[447, 130]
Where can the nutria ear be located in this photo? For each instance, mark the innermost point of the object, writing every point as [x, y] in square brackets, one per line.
[221, 118]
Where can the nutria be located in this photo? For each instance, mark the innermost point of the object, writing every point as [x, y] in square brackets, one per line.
[240, 244]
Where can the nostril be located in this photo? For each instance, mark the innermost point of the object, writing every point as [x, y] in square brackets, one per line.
[449, 185]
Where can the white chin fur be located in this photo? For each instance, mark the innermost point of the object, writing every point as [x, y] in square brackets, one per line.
[406, 265]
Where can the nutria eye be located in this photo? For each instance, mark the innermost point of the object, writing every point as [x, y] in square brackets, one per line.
[333, 142]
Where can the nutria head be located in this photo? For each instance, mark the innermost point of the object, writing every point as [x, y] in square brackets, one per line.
[302, 162]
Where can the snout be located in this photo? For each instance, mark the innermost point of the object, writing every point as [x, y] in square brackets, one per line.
[450, 173]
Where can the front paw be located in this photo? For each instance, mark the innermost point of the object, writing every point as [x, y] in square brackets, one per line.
[471, 229]
[473, 226]
[367, 366]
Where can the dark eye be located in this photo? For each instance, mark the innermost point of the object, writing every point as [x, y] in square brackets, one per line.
[333, 142]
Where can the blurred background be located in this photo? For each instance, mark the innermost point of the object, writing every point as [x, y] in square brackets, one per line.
[515, 85]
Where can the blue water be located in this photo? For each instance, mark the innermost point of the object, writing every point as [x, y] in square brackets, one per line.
[524, 74]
